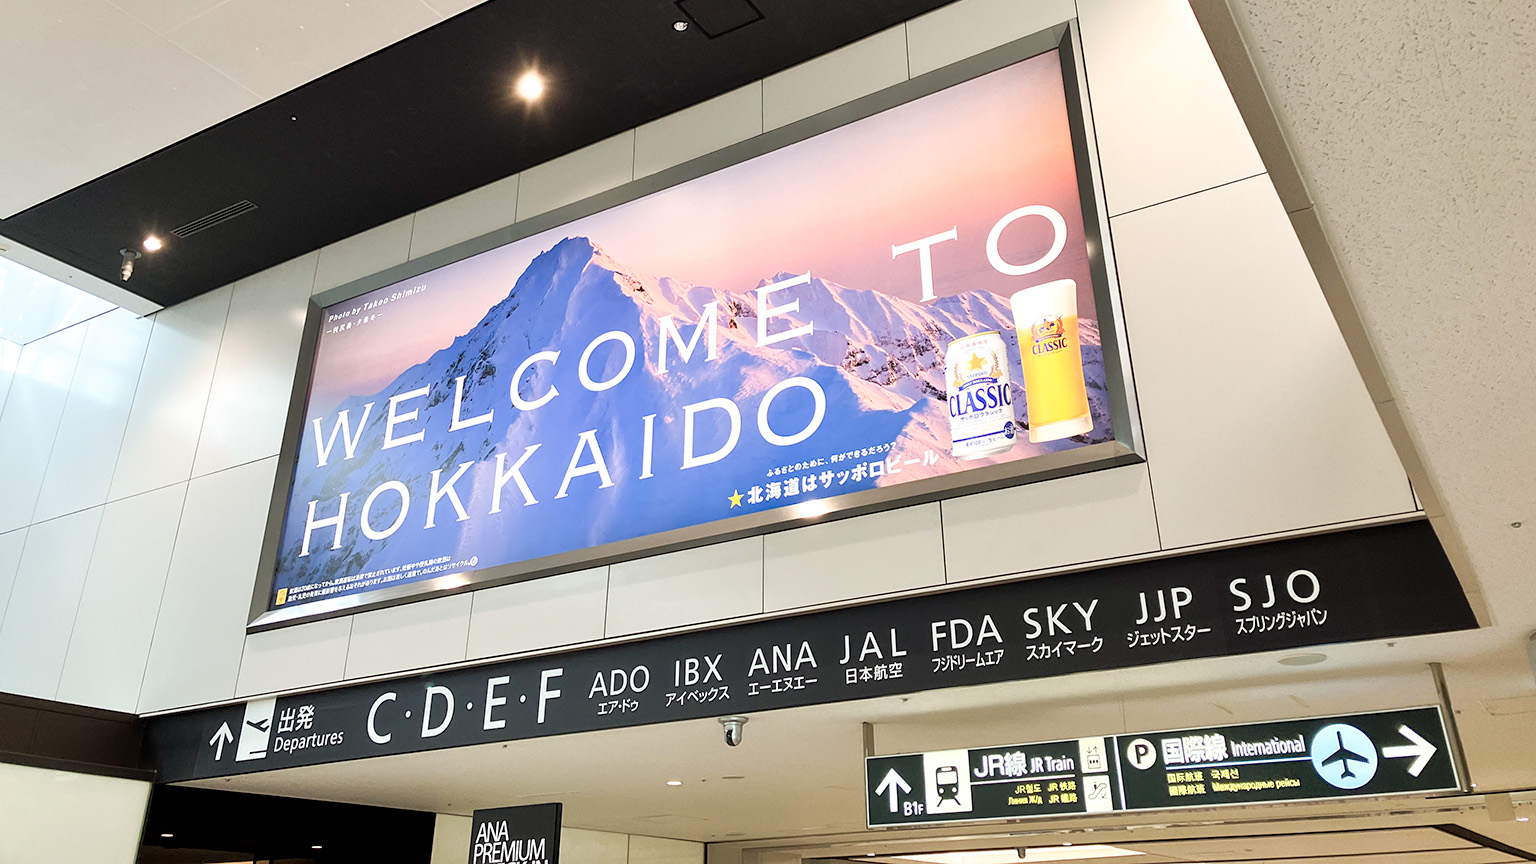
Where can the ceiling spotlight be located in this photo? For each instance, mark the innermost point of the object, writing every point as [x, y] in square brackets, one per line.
[129, 256]
[679, 26]
[153, 244]
[317, 846]
[167, 836]
[674, 782]
[530, 86]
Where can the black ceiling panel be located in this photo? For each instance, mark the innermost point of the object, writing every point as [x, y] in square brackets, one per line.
[419, 122]
[719, 17]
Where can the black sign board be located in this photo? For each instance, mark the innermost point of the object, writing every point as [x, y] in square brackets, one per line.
[516, 835]
[1382, 753]
[1370, 583]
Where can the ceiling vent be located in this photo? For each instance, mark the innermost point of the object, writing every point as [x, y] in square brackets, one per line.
[217, 217]
[718, 17]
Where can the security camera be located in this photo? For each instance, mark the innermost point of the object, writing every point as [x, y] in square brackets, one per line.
[733, 729]
[129, 256]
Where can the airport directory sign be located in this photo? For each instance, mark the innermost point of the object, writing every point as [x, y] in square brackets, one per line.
[1381, 753]
[757, 347]
[1380, 582]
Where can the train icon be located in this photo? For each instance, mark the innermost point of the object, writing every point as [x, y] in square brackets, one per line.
[946, 781]
[947, 778]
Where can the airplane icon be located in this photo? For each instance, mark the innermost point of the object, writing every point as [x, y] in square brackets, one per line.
[1350, 760]
[259, 725]
[1346, 756]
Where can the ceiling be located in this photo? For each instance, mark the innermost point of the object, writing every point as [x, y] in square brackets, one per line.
[319, 119]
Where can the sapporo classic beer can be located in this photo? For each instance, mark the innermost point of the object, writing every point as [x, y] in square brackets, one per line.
[981, 419]
[1051, 356]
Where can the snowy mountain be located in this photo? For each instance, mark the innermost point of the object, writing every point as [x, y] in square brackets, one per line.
[878, 360]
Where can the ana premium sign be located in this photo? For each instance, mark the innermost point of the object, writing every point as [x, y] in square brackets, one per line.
[516, 835]
[905, 306]
[1381, 753]
[1371, 583]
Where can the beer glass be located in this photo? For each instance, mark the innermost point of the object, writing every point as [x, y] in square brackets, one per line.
[1052, 358]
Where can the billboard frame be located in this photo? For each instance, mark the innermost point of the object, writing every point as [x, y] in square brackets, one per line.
[1125, 448]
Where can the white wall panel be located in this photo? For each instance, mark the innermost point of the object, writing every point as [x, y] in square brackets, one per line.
[1166, 123]
[56, 816]
[11, 544]
[828, 81]
[1255, 417]
[539, 613]
[593, 847]
[303, 655]
[10, 355]
[578, 175]
[662, 850]
[364, 254]
[237, 38]
[1087, 517]
[115, 623]
[425, 633]
[253, 380]
[960, 30]
[704, 584]
[859, 557]
[450, 839]
[160, 441]
[447, 9]
[95, 414]
[41, 614]
[195, 656]
[703, 128]
[479, 211]
[30, 421]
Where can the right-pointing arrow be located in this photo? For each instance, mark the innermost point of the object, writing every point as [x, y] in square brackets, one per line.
[893, 782]
[1420, 749]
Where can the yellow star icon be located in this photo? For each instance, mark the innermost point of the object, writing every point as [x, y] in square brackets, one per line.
[735, 499]
[976, 363]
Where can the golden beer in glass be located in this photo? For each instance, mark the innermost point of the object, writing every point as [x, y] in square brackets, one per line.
[1055, 395]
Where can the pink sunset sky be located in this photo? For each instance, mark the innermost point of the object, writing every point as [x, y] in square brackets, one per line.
[834, 204]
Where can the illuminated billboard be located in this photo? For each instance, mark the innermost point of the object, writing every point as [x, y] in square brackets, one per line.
[906, 306]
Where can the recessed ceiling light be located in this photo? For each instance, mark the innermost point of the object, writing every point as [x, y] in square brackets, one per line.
[1303, 659]
[674, 782]
[152, 244]
[167, 836]
[317, 847]
[530, 86]
[679, 26]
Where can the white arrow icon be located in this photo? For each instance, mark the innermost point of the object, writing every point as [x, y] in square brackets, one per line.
[219, 739]
[1419, 748]
[895, 784]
